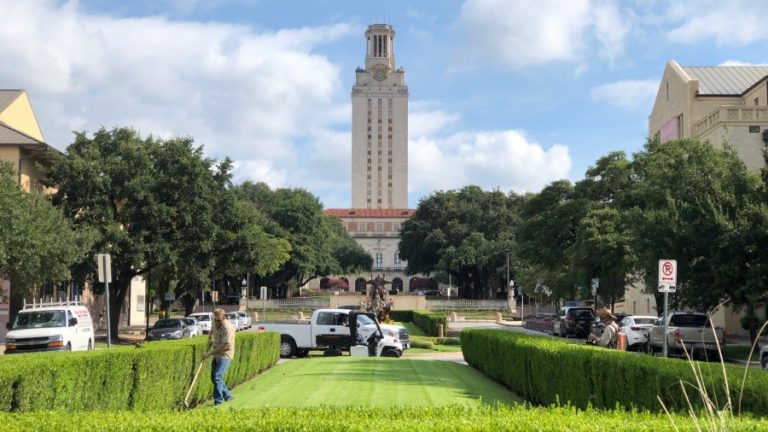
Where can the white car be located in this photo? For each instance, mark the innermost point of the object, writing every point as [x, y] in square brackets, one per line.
[204, 319]
[194, 326]
[764, 357]
[636, 327]
[234, 320]
[60, 326]
[245, 320]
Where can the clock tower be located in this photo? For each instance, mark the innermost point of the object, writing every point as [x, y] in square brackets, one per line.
[380, 126]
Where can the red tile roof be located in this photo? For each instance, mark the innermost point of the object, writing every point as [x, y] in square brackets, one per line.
[369, 213]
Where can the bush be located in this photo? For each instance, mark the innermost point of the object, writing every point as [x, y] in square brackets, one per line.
[448, 341]
[545, 371]
[429, 321]
[401, 315]
[366, 419]
[418, 342]
[154, 375]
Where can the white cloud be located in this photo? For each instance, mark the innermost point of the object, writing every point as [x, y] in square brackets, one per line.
[531, 32]
[741, 63]
[735, 22]
[245, 94]
[422, 123]
[627, 94]
[503, 159]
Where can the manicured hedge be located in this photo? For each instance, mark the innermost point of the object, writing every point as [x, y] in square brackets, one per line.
[428, 321]
[366, 419]
[545, 371]
[153, 376]
[401, 315]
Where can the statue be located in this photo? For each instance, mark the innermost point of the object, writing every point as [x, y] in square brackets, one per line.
[378, 300]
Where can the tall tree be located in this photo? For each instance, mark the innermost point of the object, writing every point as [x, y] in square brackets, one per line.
[37, 242]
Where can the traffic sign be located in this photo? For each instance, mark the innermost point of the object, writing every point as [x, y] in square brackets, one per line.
[104, 264]
[595, 285]
[170, 296]
[263, 293]
[667, 272]
[668, 288]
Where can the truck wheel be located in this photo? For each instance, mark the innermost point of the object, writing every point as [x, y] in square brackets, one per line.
[90, 345]
[302, 353]
[287, 347]
[390, 352]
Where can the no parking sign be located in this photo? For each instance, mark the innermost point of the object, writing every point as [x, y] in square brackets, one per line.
[667, 275]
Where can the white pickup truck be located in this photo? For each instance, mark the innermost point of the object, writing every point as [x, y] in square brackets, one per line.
[329, 331]
[692, 330]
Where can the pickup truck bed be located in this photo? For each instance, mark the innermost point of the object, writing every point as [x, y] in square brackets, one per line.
[689, 332]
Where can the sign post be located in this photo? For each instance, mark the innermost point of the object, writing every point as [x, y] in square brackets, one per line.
[667, 284]
[104, 264]
[595, 285]
[263, 302]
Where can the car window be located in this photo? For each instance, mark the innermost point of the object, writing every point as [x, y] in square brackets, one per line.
[39, 319]
[201, 317]
[644, 320]
[364, 320]
[325, 318]
[167, 323]
[689, 320]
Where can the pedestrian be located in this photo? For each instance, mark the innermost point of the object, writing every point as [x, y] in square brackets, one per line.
[609, 336]
[222, 339]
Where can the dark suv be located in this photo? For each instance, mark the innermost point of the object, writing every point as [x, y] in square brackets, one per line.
[574, 321]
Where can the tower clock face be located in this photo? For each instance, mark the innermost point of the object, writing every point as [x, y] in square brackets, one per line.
[379, 74]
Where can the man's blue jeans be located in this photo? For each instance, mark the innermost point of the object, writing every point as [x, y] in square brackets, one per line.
[218, 369]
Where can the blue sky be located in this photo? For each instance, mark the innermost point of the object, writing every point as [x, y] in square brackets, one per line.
[503, 94]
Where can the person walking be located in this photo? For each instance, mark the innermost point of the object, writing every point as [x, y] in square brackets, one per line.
[609, 336]
[222, 338]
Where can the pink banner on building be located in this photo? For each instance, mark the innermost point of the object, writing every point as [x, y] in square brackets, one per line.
[669, 131]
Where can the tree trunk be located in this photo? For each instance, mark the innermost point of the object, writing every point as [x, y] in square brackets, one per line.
[117, 292]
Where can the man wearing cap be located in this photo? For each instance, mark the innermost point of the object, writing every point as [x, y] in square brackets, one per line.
[608, 338]
[222, 338]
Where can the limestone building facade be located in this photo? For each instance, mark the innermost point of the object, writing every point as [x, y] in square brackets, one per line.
[721, 105]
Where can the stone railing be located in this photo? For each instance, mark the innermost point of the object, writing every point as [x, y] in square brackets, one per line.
[468, 304]
[731, 114]
[294, 303]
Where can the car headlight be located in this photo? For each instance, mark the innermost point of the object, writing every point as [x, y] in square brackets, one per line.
[176, 333]
[392, 333]
[10, 341]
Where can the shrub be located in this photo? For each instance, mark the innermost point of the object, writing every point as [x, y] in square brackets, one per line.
[401, 315]
[366, 419]
[545, 371]
[418, 342]
[154, 375]
[448, 341]
[429, 321]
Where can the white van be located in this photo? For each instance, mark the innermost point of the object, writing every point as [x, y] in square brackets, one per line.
[55, 326]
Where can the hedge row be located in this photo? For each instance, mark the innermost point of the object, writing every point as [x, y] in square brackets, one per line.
[401, 315]
[151, 376]
[367, 419]
[428, 321]
[545, 371]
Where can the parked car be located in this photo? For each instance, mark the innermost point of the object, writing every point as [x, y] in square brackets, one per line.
[542, 322]
[245, 320]
[636, 327]
[573, 321]
[59, 326]
[169, 328]
[234, 319]
[764, 357]
[194, 327]
[689, 332]
[204, 319]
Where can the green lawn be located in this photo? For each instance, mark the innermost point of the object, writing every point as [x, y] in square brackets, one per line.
[436, 349]
[347, 381]
[740, 352]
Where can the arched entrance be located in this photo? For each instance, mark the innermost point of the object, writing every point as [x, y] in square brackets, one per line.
[360, 284]
[324, 282]
[397, 284]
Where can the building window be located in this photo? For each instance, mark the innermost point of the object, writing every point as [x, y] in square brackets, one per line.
[397, 260]
[352, 226]
[757, 101]
[666, 89]
[379, 261]
[379, 227]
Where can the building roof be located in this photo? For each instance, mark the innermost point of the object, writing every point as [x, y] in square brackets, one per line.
[9, 135]
[369, 213]
[726, 80]
[7, 97]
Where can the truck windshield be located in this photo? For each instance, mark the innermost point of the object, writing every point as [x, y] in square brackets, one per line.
[39, 319]
[201, 317]
[364, 320]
